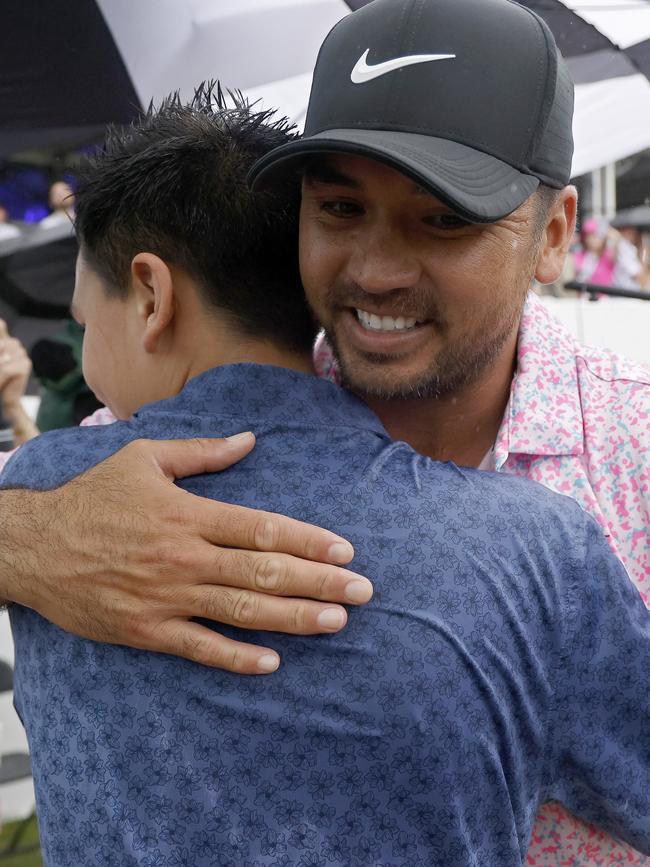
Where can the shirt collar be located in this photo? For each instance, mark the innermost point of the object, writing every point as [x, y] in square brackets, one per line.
[251, 393]
[544, 414]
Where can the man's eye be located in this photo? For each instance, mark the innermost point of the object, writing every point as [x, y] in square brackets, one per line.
[341, 209]
[446, 221]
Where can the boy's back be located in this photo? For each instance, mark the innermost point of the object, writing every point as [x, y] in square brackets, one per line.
[487, 674]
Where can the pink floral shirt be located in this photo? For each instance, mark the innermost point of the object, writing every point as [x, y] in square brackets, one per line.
[578, 421]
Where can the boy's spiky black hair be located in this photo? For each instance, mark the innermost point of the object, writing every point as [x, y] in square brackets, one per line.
[173, 183]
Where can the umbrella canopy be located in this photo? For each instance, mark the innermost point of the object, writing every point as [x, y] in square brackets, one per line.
[638, 218]
[62, 76]
[69, 68]
[601, 39]
[607, 46]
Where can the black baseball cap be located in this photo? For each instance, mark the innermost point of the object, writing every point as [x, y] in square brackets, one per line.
[470, 98]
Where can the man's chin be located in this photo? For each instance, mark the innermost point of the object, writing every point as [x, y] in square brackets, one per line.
[375, 375]
[385, 380]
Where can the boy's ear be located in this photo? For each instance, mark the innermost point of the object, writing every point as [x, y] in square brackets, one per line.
[153, 287]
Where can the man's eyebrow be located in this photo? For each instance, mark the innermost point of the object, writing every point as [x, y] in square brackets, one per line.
[321, 172]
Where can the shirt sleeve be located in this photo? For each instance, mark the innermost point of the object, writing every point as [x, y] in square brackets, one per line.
[603, 699]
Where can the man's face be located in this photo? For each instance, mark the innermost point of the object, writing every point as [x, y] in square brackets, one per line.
[415, 301]
[111, 341]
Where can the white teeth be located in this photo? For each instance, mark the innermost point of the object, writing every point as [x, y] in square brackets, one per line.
[385, 323]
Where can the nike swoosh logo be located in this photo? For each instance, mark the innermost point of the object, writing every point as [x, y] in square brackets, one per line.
[362, 72]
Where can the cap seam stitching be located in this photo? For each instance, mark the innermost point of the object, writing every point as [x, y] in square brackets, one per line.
[405, 12]
[541, 121]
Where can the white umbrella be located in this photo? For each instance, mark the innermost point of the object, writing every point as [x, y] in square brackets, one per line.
[243, 43]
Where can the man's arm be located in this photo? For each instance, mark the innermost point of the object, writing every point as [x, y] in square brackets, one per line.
[121, 554]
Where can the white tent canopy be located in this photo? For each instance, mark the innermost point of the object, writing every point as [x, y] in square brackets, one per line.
[611, 122]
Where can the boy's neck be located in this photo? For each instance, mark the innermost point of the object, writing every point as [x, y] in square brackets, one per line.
[251, 351]
[217, 343]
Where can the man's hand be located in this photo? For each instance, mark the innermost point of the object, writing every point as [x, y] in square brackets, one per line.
[121, 554]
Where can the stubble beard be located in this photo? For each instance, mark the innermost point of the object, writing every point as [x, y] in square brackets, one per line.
[456, 367]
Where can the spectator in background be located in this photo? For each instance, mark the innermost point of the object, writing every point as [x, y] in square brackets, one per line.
[61, 201]
[634, 245]
[15, 368]
[65, 397]
[605, 257]
[55, 361]
[8, 230]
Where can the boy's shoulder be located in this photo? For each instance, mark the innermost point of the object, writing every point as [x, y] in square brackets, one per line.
[450, 486]
[55, 457]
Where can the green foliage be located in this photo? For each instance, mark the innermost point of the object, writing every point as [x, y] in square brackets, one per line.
[27, 843]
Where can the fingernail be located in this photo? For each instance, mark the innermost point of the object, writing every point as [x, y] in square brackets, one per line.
[358, 591]
[331, 618]
[340, 552]
[268, 663]
[237, 438]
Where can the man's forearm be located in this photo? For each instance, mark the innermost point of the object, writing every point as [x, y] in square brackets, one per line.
[19, 527]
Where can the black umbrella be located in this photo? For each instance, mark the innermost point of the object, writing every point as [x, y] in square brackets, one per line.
[62, 76]
[607, 47]
[69, 68]
[588, 35]
[599, 40]
[638, 218]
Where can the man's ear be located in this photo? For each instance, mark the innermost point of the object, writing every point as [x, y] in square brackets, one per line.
[153, 287]
[557, 236]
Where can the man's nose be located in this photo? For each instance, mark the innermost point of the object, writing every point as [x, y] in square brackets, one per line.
[383, 261]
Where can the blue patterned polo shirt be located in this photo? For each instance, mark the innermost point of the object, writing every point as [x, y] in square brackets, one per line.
[502, 662]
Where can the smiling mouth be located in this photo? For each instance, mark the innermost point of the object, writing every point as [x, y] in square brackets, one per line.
[373, 322]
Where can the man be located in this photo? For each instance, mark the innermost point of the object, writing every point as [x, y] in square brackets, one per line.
[573, 419]
[429, 733]
[423, 307]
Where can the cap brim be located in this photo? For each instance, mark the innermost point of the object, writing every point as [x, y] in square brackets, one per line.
[477, 186]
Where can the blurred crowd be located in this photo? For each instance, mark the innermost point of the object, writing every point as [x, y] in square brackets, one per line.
[604, 253]
[61, 204]
[609, 254]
